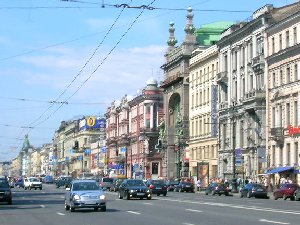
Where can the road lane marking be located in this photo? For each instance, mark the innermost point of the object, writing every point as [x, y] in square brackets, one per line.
[188, 224]
[42, 206]
[137, 213]
[193, 210]
[254, 208]
[147, 203]
[270, 221]
[61, 214]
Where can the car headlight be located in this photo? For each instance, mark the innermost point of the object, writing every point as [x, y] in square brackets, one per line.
[102, 197]
[7, 193]
[131, 191]
[76, 197]
[148, 191]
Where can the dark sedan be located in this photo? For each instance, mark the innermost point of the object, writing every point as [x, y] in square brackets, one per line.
[5, 191]
[63, 182]
[171, 184]
[253, 190]
[116, 184]
[158, 187]
[185, 186]
[285, 191]
[217, 188]
[133, 188]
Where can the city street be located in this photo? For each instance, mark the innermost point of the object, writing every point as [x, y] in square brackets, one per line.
[46, 207]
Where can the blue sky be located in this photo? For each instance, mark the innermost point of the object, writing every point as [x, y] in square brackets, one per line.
[55, 50]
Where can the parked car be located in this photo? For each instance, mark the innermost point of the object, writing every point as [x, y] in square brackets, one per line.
[285, 191]
[253, 190]
[297, 194]
[116, 183]
[217, 188]
[185, 186]
[106, 183]
[32, 182]
[48, 179]
[84, 194]
[63, 181]
[5, 191]
[133, 188]
[171, 184]
[19, 183]
[157, 187]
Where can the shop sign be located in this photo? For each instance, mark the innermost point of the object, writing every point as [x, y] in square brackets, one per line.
[293, 130]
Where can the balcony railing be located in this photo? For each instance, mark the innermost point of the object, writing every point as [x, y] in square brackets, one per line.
[258, 63]
[222, 77]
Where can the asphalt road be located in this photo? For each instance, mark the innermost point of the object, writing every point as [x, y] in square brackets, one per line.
[46, 207]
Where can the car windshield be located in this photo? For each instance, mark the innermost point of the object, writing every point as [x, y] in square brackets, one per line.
[173, 182]
[109, 180]
[155, 182]
[34, 180]
[4, 184]
[135, 183]
[86, 186]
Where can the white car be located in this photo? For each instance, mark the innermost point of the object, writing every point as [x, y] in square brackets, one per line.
[32, 182]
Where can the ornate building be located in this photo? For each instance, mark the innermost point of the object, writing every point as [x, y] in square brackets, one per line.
[132, 132]
[203, 96]
[283, 96]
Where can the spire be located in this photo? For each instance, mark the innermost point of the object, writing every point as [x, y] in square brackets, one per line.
[172, 41]
[26, 144]
[190, 37]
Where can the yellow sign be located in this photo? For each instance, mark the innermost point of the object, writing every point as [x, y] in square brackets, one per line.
[91, 121]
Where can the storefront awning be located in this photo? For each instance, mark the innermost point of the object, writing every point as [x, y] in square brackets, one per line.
[280, 169]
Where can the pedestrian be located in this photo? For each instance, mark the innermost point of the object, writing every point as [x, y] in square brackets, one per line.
[198, 185]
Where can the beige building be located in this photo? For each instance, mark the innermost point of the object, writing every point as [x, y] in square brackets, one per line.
[203, 145]
[283, 95]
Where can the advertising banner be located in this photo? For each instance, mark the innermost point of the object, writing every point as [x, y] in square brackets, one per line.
[92, 122]
[203, 173]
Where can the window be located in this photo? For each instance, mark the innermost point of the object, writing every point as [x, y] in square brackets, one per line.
[280, 116]
[212, 70]
[225, 63]
[281, 155]
[251, 81]
[243, 86]
[288, 75]
[280, 42]
[288, 154]
[274, 80]
[273, 156]
[273, 45]
[296, 72]
[288, 113]
[243, 57]
[295, 113]
[287, 39]
[193, 101]
[296, 151]
[280, 82]
[241, 133]
[295, 35]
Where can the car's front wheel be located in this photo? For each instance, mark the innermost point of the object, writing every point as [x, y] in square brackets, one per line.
[120, 196]
[67, 207]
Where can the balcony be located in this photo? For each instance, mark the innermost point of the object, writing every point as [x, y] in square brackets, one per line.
[258, 63]
[223, 105]
[255, 95]
[222, 77]
[277, 134]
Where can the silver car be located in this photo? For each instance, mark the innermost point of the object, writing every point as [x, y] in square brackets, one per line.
[84, 194]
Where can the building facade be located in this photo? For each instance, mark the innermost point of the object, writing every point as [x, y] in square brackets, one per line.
[283, 96]
[242, 102]
[132, 133]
